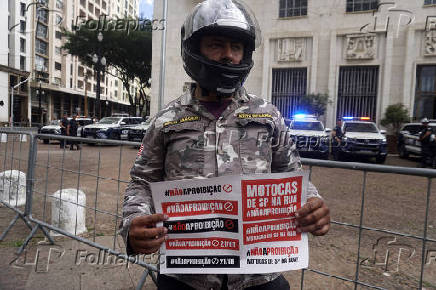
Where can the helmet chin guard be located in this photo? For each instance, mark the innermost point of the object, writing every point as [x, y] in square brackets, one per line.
[229, 18]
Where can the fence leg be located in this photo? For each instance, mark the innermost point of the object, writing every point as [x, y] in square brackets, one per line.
[30, 236]
[9, 227]
[142, 280]
[12, 223]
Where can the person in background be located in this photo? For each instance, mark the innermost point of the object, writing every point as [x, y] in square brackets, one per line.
[72, 131]
[64, 126]
[337, 135]
[427, 145]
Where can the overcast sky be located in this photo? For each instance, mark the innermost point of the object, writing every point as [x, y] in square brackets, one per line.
[146, 8]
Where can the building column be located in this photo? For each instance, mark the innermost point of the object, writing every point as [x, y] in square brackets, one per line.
[50, 108]
[385, 91]
[265, 70]
[332, 88]
[314, 64]
[409, 77]
[61, 97]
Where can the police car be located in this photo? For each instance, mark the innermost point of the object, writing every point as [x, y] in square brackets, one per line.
[111, 128]
[136, 134]
[361, 137]
[408, 139]
[310, 136]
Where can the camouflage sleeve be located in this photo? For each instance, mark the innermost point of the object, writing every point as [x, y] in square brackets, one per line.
[285, 156]
[148, 167]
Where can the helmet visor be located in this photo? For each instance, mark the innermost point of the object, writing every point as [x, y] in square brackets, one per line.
[223, 13]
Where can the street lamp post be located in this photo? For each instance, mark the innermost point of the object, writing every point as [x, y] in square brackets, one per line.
[100, 63]
[40, 93]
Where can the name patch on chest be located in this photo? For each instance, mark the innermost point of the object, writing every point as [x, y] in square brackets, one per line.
[182, 120]
[253, 115]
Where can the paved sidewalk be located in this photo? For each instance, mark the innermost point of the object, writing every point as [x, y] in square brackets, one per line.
[68, 265]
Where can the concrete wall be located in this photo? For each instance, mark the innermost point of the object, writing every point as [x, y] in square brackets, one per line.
[399, 48]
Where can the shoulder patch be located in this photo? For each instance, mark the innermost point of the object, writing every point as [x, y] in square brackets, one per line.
[182, 120]
[254, 115]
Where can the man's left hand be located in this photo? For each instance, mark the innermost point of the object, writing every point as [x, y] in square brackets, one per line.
[313, 217]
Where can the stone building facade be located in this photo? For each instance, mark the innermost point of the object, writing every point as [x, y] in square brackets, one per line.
[365, 54]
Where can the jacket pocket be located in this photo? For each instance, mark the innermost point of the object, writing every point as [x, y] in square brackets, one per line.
[255, 145]
[184, 145]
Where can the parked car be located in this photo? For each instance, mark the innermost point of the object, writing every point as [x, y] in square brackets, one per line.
[408, 139]
[54, 128]
[361, 137]
[310, 136]
[136, 133]
[111, 128]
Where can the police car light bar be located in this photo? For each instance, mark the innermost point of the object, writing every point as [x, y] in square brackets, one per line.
[300, 116]
[357, 118]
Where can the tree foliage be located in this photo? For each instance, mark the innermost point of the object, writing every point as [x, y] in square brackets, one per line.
[395, 116]
[315, 104]
[129, 54]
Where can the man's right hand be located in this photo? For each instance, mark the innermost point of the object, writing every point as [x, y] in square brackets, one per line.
[144, 236]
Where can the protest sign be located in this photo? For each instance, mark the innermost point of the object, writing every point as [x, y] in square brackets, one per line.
[232, 224]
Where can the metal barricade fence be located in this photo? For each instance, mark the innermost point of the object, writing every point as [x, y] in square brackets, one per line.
[59, 176]
[414, 231]
[102, 173]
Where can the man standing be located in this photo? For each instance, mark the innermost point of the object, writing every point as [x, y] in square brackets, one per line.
[72, 131]
[336, 139]
[213, 130]
[64, 126]
[427, 147]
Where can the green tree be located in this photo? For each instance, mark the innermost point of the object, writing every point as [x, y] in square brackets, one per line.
[395, 116]
[129, 54]
[315, 104]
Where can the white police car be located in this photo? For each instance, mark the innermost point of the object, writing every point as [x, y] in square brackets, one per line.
[361, 137]
[136, 133]
[310, 136]
[111, 128]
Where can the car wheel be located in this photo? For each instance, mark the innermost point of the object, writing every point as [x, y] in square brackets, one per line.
[402, 152]
[46, 141]
[380, 159]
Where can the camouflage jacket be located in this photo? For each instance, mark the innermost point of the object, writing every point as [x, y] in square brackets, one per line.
[186, 141]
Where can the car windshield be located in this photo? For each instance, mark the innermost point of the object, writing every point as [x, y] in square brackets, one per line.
[109, 120]
[54, 122]
[361, 127]
[312, 126]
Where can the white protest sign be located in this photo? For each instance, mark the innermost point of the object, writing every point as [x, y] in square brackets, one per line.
[233, 224]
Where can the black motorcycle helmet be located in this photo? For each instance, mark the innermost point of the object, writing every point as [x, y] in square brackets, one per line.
[230, 18]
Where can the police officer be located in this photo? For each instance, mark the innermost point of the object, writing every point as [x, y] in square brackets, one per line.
[72, 131]
[213, 131]
[427, 145]
[64, 126]
[337, 138]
